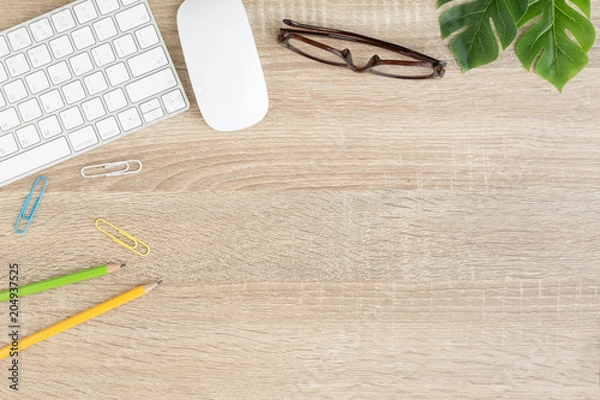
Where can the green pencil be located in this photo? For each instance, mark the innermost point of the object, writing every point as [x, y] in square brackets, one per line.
[63, 280]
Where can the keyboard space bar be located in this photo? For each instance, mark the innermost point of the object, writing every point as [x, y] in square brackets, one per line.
[33, 159]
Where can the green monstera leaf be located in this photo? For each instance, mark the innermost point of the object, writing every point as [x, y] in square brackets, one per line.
[477, 44]
[558, 57]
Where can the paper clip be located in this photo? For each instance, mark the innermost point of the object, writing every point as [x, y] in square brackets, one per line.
[114, 169]
[123, 238]
[23, 215]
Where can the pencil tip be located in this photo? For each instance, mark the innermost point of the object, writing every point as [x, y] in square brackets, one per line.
[123, 265]
[114, 267]
[159, 282]
[151, 286]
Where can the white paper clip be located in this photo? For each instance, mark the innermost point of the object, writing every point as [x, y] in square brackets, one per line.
[114, 169]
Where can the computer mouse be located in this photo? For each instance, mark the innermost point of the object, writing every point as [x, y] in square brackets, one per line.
[223, 63]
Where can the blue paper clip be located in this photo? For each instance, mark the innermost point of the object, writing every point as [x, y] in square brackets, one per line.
[23, 216]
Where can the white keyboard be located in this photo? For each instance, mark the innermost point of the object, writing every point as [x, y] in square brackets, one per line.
[78, 77]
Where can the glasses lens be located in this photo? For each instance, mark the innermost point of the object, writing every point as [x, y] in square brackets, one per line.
[409, 71]
[309, 49]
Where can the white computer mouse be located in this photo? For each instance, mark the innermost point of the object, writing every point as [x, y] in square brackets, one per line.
[223, 63]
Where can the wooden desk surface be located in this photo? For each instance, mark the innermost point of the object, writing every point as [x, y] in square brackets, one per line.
[370, 238]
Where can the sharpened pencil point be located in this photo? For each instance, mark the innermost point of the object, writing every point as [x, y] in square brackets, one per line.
[114, 267]
[151, 286]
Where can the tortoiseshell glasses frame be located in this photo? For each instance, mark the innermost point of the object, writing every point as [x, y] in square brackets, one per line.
[425, 66]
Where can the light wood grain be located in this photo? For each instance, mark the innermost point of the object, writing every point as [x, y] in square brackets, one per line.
[369, 239]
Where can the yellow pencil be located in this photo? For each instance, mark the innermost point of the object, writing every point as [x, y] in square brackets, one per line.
[76, 319]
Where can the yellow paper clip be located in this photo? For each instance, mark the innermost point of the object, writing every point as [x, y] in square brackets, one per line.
[114, 169]
[23, 215]
[123, 238]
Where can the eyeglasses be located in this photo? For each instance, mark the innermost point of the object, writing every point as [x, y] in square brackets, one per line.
[417, 66]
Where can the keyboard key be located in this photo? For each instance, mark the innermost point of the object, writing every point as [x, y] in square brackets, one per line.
[83, 138]
[19, 39]
[37, 157]
[103, 55]
[147, 36]
[73, 92]
[151, 85]
[30, 110]
[17, 65]
[83, 38]
[37, 82]
[149, 106]
[128, 2]
[71, 118]
[15, 91]
[95, 83]
[130, 119]
[61, 47]
[115, 100]
[41, 29]
[125, 46]
[2, 101]
[51, 101]
[148, 61]
[93, 109]
[81, 64]
[117, 74]
[9, 119]
[28, 136]
[107, 6]
[3, 76]
[173, 101]
[108, 128]
[39, 56]
[8, 145]
[153, 115]
[49, 127]
[59, 73]
[132, 17]
[3, 47]
[105, 29]
[63, 21]
[85, 12]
